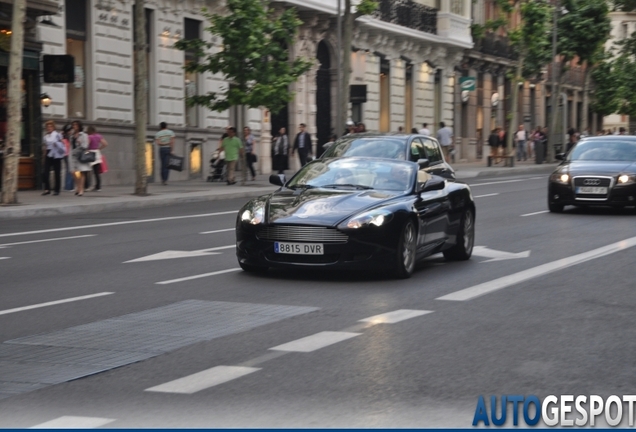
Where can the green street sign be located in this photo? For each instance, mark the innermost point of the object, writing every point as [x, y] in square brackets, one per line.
[468, 83]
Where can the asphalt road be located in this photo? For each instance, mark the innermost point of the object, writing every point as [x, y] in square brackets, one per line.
[561, 323]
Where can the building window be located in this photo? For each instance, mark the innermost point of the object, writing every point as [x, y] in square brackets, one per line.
[192, 30]
[408, 98]
[76, 37]
[385, 96]
[457, 7]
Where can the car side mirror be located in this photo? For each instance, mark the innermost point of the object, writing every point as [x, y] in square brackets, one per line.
[423, 163]
[277, 179]
[432, 184]
[560, 156]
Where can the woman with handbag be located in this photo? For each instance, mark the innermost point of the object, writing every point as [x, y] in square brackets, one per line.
[96, 143]
[82, 157]
[250, 156]
[55, 151]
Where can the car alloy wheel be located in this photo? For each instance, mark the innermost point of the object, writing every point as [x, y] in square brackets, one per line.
[406, 251]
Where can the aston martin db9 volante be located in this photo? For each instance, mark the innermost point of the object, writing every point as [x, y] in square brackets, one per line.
[424, 150]
[356, 213]
[598, 171]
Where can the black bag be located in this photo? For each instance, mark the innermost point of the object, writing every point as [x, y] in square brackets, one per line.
[253, 158]
[175, 163]
[86, 156]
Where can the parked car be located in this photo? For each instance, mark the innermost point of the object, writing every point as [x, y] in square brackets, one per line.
[597, 171]
[356, 213]
[424, 150]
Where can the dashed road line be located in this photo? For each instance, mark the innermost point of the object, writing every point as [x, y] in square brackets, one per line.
[522, 276]
[46, 240]
[73, 422]
[203, 380]
[199, 276]
[52, 303]
[218, 231]
[535, 213]
[395, 316]
[315, 342]
[487, 195]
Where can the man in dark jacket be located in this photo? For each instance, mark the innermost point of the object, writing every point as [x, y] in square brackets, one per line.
[302, 143]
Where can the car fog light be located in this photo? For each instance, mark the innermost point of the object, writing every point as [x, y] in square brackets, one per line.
[556, 197]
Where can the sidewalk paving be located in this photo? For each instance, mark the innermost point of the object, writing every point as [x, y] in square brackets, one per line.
[112, 198]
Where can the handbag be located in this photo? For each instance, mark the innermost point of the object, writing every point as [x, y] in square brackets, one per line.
[175, 163]
[86, 156]
[253, 158]
[103, 166]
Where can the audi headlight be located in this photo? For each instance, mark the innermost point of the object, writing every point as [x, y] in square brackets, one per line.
[373, 217]
[626, 179]
[253, 216]
[560, 178]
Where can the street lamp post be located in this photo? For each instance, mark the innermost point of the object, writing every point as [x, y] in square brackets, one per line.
[553, 94]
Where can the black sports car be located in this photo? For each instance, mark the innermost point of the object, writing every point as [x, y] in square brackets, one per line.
[598, 171]
[424, 150]
[358, 213]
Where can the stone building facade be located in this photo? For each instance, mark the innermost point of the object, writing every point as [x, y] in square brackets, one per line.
[405, 54]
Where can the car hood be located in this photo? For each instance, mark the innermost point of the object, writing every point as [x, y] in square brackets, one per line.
[322, 206]
[600, 168]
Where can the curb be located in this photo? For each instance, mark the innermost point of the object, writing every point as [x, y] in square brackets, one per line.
[142, 202]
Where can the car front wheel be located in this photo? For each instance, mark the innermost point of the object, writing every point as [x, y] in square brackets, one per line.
[463, 249]
[405, 256]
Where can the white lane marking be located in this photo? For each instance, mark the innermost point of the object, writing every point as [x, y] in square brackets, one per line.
[315, 342]
[535, 213]
[217, 231]
[395, 316]
[487, 195]
[203, 380]
[56, 302]
[117, 223]
[46, 240]
[516, 278]
[497, 255]
[538, 178]
[73, 422]
[499, 182]
[3, 258]
[199, 276]
[180, 254]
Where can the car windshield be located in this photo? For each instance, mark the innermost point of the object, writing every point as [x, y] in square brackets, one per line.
[604, 151]
[348, 174]
[377, 147]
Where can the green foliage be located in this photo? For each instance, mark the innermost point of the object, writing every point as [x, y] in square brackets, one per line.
[623, 5]
[531, 39]
[366, 7]
[253, 56]
[584, 30]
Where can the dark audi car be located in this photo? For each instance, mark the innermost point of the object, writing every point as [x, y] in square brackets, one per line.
[598, 171]
[424, 150]
[357, 213]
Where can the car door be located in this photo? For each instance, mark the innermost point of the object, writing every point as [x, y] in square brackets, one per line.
[437, 165]
[432, 208]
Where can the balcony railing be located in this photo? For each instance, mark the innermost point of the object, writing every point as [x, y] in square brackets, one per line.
[575, 76]
[409, 14]
[498, 46]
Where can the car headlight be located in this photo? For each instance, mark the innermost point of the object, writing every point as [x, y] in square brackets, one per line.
[370, 218]
[560, 178]
[626, 179]
[253, 216]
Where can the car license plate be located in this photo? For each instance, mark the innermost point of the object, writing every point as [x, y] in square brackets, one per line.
[299, 248]
[591, 190]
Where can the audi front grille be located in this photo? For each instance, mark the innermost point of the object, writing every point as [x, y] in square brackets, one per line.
[592, 181]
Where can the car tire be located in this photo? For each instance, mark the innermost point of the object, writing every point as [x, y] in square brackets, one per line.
[250, 268]
[463, 249]
[555, 208]
[407, 247]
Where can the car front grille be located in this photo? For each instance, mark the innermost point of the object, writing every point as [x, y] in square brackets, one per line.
[592, 181]
[294, 233]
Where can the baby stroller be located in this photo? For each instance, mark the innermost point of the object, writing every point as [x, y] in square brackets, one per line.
[217, 167]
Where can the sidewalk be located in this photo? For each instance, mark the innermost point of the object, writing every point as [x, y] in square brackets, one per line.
[112, 198]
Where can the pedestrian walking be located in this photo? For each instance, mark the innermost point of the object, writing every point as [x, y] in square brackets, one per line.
[425, 130]
[69, 182]
[79, 142]
[165, 141]
[302, 144]
[521, 137]
[361, 128]
[493, 143]
[445, 138]
[55, 150]
[250, 154]
[96, 143]
[280, 151]
[233, 148]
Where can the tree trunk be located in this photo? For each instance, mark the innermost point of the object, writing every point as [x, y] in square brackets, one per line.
[514, 121]
[552, 132]
[586, 97]
[141, 99]
[347, 37]
[14, 108]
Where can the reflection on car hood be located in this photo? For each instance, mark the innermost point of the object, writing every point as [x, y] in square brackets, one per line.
[322, 206]
[600, 168]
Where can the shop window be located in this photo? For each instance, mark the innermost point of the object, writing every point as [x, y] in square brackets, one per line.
[196, 159]
[76, 36]
[192, 30]
[150, 160]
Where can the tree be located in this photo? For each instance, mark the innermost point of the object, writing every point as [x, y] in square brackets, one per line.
[14, 108]
[141, 99]
[254, 56]
[365, 7]
[582, 34]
